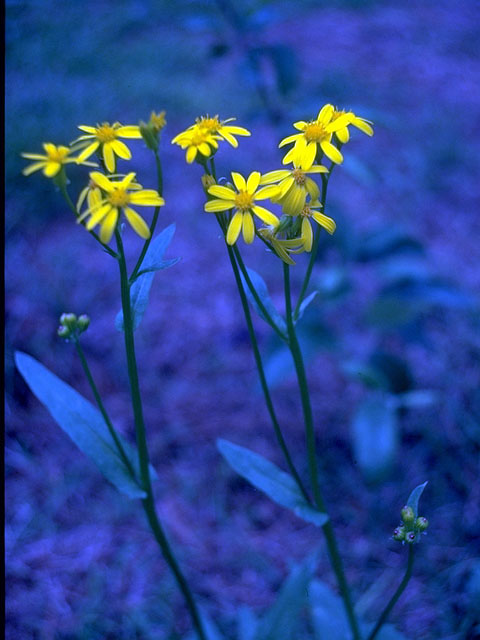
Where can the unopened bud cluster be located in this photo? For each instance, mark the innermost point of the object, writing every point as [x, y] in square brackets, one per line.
[72, 326]
[411, 527]
[150, 130]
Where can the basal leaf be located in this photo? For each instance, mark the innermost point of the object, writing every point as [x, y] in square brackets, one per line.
[264, 475]
[140, 289]
[82, 422]
[261, 288]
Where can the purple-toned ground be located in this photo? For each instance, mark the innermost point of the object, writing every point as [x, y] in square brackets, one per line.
[80, 560]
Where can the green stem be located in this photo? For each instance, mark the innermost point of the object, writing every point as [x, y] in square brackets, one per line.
[314, 251]
[256, 297]
[101, 406]
[263, 381]
[396, 595]
[148, 502]
[154, 219]
[68, 200]
[328, 531]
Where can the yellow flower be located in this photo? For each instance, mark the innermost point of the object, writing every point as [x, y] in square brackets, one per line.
[157, 120]
[197, 140]
[216, 126]
[52, 162]
[92, 193]
[317, 135]
[243, 201]
[343, 134]
[282, 247]
[294, 184]
[106, 136]
[105, 207]
[310, 210]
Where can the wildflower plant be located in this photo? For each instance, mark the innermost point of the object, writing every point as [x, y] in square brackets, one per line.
[286, 210]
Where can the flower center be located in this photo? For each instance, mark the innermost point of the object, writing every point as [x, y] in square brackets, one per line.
[244, 200]
[299, 176]
[306, 212]
[314, 132]
[210, 124]
[337, 113]
[105, 133]
[57, 155]
[118, 198]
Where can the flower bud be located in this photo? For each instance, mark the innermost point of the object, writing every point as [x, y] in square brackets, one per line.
[421, 523]
[69, 320]
[149, 135]
[83, 323]
[157, 121]
[408, 515]
[208, 181]
[64, 332]
[399, 534]
[411, 537]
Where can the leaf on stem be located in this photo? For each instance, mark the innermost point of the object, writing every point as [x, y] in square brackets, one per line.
[305, 304]
[140, 289]
[264, 475]
[83, 423]
[262, 291]
[415, 497]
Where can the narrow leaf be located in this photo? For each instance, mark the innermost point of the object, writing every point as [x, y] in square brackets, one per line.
[305, 303]
[375, 436]
[281, 620]
[328, 613]
[264, 475]
[261, 288]
[82, 422]
[415, 497]
[140, 289]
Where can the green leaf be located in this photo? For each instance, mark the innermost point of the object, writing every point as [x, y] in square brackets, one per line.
[140, 289]
[281, 620]
[261, 288]
[82, 422]
[375, 436]
[328, 613]
[414, 497]
[305, 303]
[264, 475]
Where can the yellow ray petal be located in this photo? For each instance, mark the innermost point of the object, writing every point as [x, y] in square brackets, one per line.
[130, 131]
[98, 216]
[108, 226]
[264, 214]
[253, 181]
[234, 227]
[108, 156]
[331, 152]
[248, 228]
[51, 169]
[121, 149]
[87, 152]
[102, 181]
[33, 167]
[137, 222]
[218, 205]
[239, 181]
[222, 192]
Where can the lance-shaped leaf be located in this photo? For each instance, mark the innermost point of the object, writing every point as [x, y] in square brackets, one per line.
[415, 497]
[83, 423]
[262, 291]
[264, 475]
[140, 289]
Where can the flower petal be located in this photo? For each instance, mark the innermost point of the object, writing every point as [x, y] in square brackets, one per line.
[102, 181]
[274, 176]
[87, 152]
[51, 169]
[137, 222]
[239, 181]
[84, 127]
[253, 181]
[264, 214]
[331, 152]
[98, 216]
[147, 198]
[343, 135]
[219, 205]
[234, 227]
[222, 192]
[191, 154]
[130, 131]
[33, 167]
[248, 228]
[108, 156]
[363, 125]
[121, 149]
[307, 234]
[267, 192]
[108, 226]
[324, 221]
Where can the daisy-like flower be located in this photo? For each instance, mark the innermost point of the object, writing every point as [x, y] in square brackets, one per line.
[110, 197]
[311, 210]
[197, 140]
[343, 134]
[282, 247]
[294, 184]
[105, 136]
[243, 201]
[221, 127]
[317, 134]
[92, 194]
[52, 161]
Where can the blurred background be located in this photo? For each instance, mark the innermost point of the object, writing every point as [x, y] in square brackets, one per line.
[392, 338]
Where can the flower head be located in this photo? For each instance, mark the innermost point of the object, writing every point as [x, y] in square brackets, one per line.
[157, 120]
[243, 201]
[282, 247]
[108, 197]
[105, 136]
[294, 184]
[317, 135]
[52, 161]
[197, 140]
[343, 134]
[311, 211]
[226, 131]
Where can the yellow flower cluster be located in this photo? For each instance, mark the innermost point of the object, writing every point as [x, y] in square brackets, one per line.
[294, 189]
[106, 196]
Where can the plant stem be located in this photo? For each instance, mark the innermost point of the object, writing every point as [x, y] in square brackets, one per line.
[396, 595]
[154, 219]
[328, 531]
[263, 381]
[101, 406]
[148, 502]
[314, 251]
